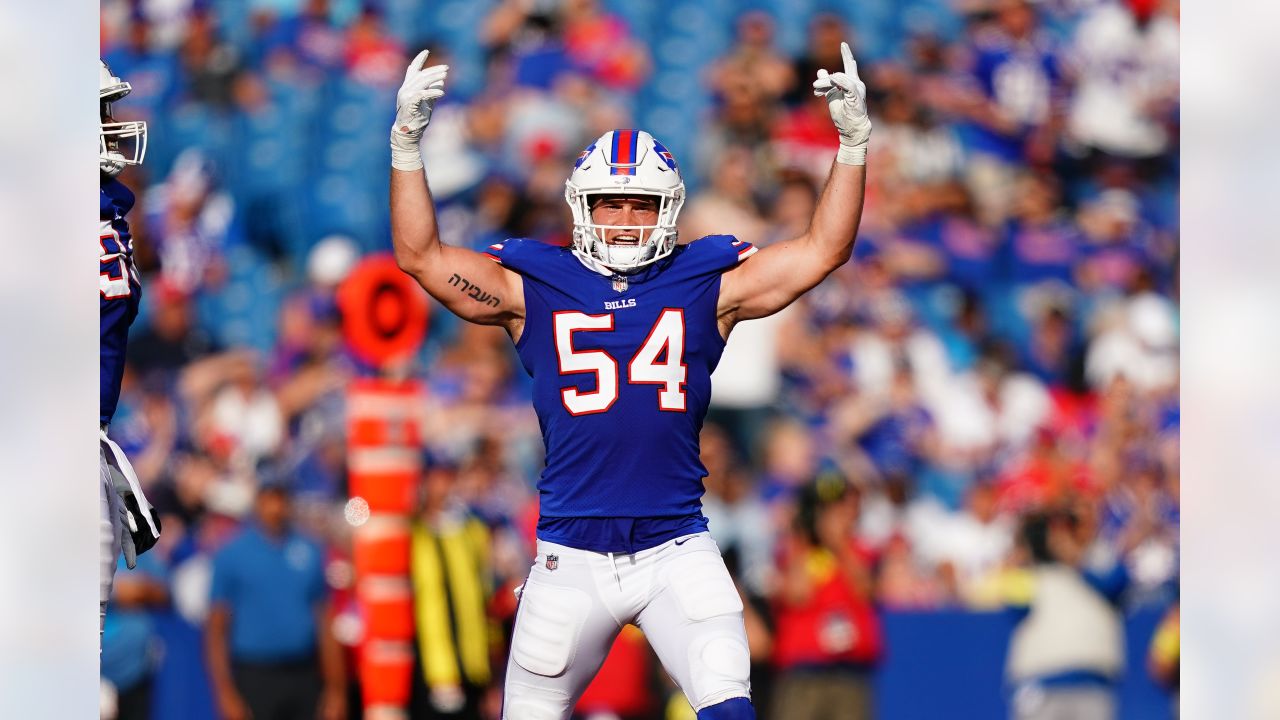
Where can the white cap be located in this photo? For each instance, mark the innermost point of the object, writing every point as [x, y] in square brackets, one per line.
[331, 260]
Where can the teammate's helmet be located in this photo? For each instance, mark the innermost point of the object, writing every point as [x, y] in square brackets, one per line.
[119, 143]
[625, 162]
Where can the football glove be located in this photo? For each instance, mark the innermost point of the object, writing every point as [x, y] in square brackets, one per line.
[846, 96]
[135, 538]
[414, 103]
[138, 525]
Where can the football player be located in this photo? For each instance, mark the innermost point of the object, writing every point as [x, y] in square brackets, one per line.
[620, 333]
[128, 525]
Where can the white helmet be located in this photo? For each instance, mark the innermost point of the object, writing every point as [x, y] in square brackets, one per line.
[625, 162]
[119, 143]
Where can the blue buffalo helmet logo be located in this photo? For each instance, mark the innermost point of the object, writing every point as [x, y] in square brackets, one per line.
[583, 156]
[666, 155]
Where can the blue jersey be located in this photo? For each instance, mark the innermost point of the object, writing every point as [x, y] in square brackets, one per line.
[1024, 80]
[120, 292]
[621, 370]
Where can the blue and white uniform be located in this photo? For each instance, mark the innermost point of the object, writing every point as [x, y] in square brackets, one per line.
[119, 289]
[620, 425]
[621, 368]
[126, 522]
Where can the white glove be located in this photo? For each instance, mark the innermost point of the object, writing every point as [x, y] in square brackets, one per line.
[414, 103]
[127, 525]
[846, 96]
[137, 523]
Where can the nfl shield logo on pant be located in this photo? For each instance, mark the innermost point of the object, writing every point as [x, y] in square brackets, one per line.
[553, 562]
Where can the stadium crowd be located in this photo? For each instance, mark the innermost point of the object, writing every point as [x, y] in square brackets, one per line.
[1002, 348]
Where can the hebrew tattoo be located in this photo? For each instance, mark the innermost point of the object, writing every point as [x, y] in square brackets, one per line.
[473, 291]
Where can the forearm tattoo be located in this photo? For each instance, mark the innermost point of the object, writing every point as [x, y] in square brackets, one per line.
[473, 291]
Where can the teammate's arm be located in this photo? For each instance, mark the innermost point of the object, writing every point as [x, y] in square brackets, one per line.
[775, 276]
[471, 285]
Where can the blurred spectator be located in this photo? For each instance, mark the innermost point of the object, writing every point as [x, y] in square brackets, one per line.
[789, 460]
[528, 34]
[1067, 653]
[600, 43]
[894, 429]
[1053, 353]
[755, 58]
[1137, 340]
[828, 637]
[151, 74]
[916, 147]
[209, 64]
[1126, 56]
[729, 205]
[1042, 245]
[1114, 243]
[738, 519]
[131, 648]
[976, 541]
[242, 417]
[746, 85]
[192, 223]
[309, 36]
[1016, 102]
[270, 650]
[1140, 519]
[1042, 475]
[452, 583]
[822, 51]
[373, 56]
[895, 339]
[170, 341]
[467, 147]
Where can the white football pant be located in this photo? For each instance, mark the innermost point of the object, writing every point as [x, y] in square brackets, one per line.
[109, 529]
[678, 593]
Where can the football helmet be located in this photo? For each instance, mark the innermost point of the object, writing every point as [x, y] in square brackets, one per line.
[621, 163]
[119, 143]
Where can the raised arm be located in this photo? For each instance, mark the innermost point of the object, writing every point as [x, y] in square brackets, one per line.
[471, 285]
[774, 277]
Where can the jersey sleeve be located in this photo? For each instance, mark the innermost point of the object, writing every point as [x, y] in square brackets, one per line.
[523, 255]
[720, 253]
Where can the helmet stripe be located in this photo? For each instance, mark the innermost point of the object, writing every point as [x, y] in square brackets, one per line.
[624, 152]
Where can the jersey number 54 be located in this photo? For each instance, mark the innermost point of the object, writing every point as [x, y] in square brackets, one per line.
[659, 361]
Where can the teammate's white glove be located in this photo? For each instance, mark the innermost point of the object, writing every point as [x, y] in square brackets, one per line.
[135, 535]
[846, 96]
[414, 103]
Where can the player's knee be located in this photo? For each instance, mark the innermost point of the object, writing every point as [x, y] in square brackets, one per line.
[720, 668]
[527, 702]
[737, 708]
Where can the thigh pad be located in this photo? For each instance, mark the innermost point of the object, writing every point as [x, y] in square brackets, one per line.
[702, 586]
[548, 627]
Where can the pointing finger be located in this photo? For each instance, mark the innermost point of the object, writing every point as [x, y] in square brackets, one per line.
[850, 66]
[419, 61]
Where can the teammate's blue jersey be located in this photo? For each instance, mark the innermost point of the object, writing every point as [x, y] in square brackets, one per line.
[120, 292]
[621, 375]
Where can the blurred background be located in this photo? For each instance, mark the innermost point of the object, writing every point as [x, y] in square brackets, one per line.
[901, 466]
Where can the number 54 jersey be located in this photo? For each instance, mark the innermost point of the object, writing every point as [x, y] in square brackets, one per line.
[621, 370]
